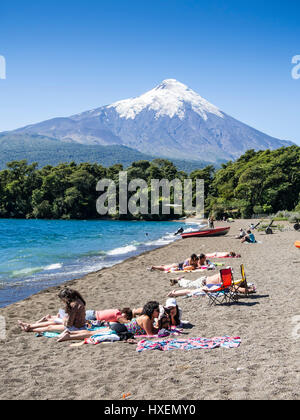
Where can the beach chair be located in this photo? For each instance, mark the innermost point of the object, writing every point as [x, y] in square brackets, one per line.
[225, 293]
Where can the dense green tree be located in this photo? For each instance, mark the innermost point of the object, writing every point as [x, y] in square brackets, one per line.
[258, 182]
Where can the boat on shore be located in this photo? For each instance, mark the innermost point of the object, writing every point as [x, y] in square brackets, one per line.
[218, 231]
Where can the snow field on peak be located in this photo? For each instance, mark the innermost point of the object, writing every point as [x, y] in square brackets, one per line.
[170, 98]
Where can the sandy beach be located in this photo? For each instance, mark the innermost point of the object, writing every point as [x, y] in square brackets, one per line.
[265, 366]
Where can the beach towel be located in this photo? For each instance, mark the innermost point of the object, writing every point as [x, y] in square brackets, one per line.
[101, 338]
[162, 333]
[48, 334]
[56, 334]
[198, 270]
[189, 343]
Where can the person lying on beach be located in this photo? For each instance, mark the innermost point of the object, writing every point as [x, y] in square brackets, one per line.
[142, 325]
[201, 290]
[201, 284]
[112, 315]
[223, 255]
[198, 283]
[72, 318]
[250, 238]
[189, 264]
[173, 311]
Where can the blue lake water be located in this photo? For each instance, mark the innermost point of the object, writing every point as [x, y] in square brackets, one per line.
[37, 254]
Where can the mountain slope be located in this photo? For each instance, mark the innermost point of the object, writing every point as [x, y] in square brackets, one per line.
[170, 120]
[49, 151]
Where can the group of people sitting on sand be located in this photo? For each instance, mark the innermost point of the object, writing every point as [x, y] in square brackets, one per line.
[74, 322]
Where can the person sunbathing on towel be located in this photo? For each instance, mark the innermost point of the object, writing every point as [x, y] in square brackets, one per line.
[189, 264]
[223, 255]
[202, 284]
[112, 315]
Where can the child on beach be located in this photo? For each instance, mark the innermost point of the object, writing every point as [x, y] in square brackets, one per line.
[71, 318]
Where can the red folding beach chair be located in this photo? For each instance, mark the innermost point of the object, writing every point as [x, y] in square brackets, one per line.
[225, 293]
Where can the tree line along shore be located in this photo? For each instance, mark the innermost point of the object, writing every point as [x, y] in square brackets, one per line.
[263, 182]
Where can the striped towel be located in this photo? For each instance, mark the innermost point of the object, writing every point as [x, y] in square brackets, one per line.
[189, 343]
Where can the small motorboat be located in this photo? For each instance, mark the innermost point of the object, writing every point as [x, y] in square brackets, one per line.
[218, 231]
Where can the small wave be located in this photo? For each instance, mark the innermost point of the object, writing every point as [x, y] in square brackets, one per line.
[25, 272]
[122, 250]
[53, 267]
[93, 254]
[165, 240]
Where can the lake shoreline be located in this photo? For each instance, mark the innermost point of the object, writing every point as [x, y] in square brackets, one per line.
[265, 366]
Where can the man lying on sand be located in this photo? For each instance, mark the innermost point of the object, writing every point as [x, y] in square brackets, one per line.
[202, 284]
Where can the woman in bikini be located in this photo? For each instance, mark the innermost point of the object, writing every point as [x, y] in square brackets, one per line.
[189, 264]
[72, 318]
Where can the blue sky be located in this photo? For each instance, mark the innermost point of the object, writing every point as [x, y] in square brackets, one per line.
[65, 57]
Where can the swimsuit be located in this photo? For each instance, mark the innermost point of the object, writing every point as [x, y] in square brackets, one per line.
[134, 328]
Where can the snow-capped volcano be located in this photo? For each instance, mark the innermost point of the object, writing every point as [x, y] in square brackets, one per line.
[169, 121]
[167, 99]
